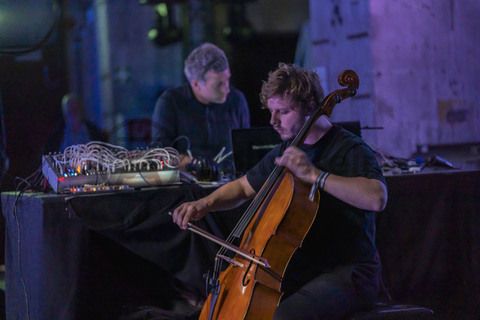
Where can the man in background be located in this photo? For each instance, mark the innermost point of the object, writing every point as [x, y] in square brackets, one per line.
[197, 118]
[74, 128]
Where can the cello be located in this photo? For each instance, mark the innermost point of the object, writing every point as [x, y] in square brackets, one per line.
[250, 286]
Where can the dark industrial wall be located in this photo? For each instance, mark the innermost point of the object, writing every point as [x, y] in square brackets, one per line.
[417, 62]
[31, 87]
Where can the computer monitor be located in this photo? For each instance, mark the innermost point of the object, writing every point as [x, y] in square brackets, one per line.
[250, 145]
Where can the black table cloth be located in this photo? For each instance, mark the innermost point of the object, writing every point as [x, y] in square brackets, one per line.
[94, 256]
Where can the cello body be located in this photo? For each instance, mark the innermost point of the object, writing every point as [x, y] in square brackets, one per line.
[250, 291]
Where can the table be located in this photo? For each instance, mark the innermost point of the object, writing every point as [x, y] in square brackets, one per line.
[64, 261]
[429, 241]
[93, 256]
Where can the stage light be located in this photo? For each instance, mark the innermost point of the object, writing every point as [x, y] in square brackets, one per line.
[165, 30]
[26, 25]
[161, 9]
[152, 34]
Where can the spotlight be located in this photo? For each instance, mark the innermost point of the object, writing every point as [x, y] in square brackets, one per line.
[165, 30]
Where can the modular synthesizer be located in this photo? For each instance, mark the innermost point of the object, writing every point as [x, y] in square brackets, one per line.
[97, 166]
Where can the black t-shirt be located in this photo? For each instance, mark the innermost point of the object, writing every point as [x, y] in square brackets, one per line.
[341, 235]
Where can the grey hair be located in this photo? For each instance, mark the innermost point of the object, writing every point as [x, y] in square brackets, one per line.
[206, 57]
[66, 99]
[66, 103]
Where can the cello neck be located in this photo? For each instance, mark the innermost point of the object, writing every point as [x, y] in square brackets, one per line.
[348, 79]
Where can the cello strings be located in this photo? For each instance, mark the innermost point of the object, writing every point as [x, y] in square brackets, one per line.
[255, 205]
[247, 216]
[264, 191]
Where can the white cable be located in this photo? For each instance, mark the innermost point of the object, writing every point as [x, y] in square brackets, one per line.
[224, 157]
[219, 155]
[109, 157]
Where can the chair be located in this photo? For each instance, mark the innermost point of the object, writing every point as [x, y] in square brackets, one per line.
[387, 309]
[391, 311]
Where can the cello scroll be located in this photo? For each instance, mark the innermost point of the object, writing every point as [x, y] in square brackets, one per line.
[348, 79]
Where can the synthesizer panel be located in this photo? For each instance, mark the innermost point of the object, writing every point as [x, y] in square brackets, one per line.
[99, 166]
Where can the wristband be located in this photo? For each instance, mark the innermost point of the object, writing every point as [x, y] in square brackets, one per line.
[319, 183]
[323, 179]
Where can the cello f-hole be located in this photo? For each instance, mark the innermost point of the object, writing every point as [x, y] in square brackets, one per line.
[246, 279]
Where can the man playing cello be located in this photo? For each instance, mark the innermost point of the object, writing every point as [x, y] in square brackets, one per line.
[337, 269]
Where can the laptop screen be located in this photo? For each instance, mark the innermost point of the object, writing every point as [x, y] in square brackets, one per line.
[250, 145]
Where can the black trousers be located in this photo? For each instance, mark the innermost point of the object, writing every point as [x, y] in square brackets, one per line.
[333, 295]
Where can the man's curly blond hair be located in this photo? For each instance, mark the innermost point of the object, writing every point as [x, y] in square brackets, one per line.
[290, 81]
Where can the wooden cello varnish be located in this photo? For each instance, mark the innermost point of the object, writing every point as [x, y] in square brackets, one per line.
[249, 291]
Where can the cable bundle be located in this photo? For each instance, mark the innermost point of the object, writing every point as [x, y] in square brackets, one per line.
[101, 156]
